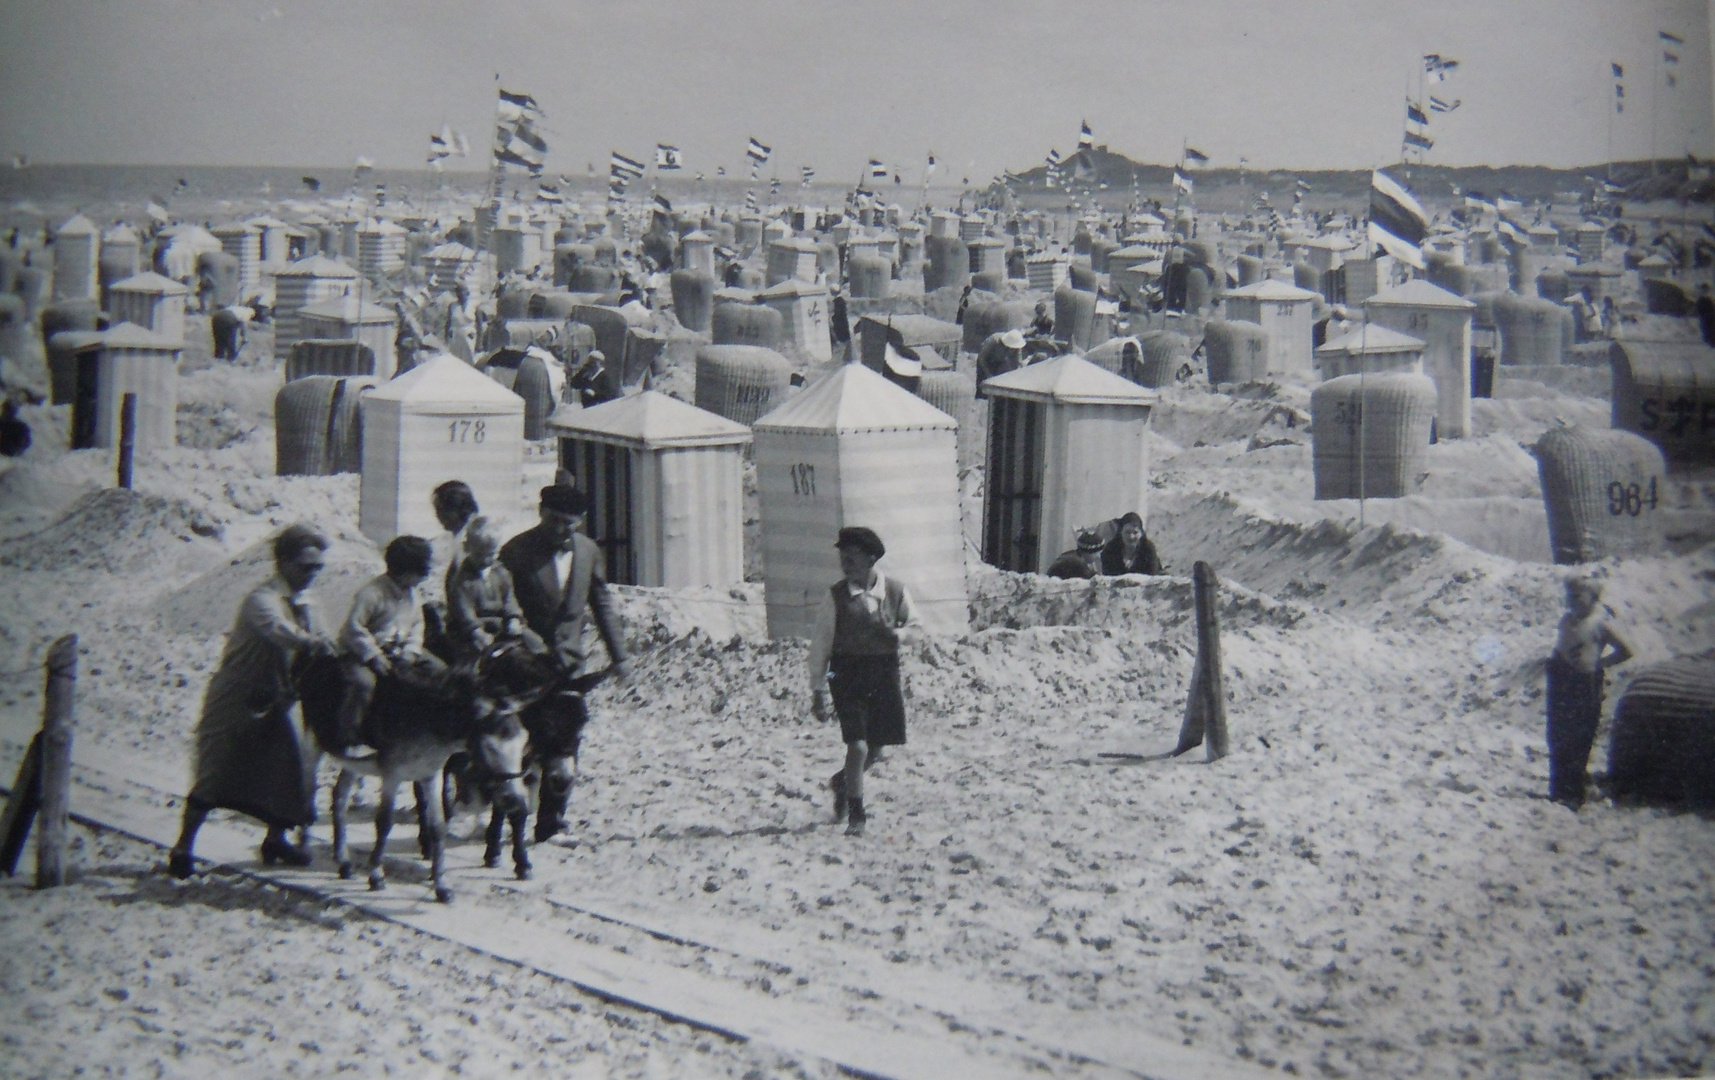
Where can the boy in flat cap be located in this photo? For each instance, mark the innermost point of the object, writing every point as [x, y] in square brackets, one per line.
[854, 654]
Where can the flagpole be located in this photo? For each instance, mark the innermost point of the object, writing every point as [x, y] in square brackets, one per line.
[1654, 96]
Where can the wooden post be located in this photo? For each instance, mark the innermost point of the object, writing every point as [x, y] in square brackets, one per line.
[1213, 686]
[127, 437]
[1205, 720]
[56, 761]
[21, 807]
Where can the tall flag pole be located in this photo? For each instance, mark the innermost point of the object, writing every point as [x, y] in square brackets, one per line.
[1398, 223]
[1667, 65]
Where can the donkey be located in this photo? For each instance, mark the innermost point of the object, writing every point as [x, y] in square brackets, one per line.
[415, 728]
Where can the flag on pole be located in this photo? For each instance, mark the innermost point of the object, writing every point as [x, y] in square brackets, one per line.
[1414, 114]
[720, 170]
[929, 169]
[1665, 36]
[809, 174]
[774, 185]
[1422, 142]
[440, 147]
[1436, 67]
[1053, 159]
[750, 200]
[1193, 156]
[667, 157]
[156, 211]
[877, 171]
[548, 193]
[1437, 105]
[511, 108]
[758, 152]
[1181, 182]
[311, 182]
[620, 165]
[1398, 223]
[662, 202]
[1619, 72]
[1086, 138]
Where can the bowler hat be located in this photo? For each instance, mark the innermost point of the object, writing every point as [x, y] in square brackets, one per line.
[564, 499]
[862, 539]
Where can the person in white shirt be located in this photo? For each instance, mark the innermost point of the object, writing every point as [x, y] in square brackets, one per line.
[384, 630]
[854, 661]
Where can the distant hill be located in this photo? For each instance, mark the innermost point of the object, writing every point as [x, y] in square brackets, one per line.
[1671, 179]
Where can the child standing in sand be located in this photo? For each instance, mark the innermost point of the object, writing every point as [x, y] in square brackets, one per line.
[855, 655]
[1576, 670]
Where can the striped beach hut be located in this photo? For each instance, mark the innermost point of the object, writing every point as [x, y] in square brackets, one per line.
[444, 264]
[152, 301]
[854, 449]
[344, 317]
[275, 236]
[1370, 349]
[1443, 321]
[442, 420]
[130, 360]
[244, 243]
[1066, 449]
[380, 248]
[665, 488]
[303, 284]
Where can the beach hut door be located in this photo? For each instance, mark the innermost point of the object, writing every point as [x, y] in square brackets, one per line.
[604, 473]
[1012, 513]
[83, 402]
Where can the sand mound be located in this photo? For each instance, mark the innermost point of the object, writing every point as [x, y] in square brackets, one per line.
[205, 607]
[113, 531]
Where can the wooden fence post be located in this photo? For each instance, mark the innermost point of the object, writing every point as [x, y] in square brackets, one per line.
[21, 807]
[56, 761]
[127, 437]
[1205, 720]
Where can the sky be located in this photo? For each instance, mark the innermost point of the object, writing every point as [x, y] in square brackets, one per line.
[984, 85]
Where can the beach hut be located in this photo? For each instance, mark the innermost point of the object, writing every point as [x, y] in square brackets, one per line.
[1370, 435]
[1066, 449]
[1285, 312]
[915, 332]
[1534, 331]
[345, 317]
[1603, 490]
[274, 237]
[1367, 276]
[121, 257]
[1325, 253]
[244, 243]
[129, 360]
[1372, 348]
[1444, 323]
[306, 283]
[67, 350]
[791, 258]
[943, 223]
[1601, 281]
[77, 251]
[152, 301]
[1592, 242]
[697, 252]
[803, 309]
[988, 255]
[442, 420]
[444, 264]
[1665, 392]
[665, 487]
[1047, 272]
[381, 249]
[329, 356]
[854, 449]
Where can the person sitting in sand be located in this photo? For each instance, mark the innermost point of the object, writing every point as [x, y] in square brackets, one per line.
[383, 635]
[1584, 648]
[1042, 325]
[482, 607]
[1082, 562]
[1130, 551]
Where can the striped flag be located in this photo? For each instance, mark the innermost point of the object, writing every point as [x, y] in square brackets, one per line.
[662, 202]
[512, 108]
[1422, 142]
[1437, 105]
[1414, 114]
[1398, 223]
[1436, 67]
[548, 193]
[1193, 156]
[1086, 138]
[1665, 36]
[720, 170]
[666, 157]
[620, 165]
[877, 171]
[1181, 182]
[809, 174]
[750, 200]
[758, 152]
[774, 185]
[440, 147]
[1053, 159]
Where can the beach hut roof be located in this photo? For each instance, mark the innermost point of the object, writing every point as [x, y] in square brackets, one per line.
[382, 226]
[128, 335]
[650, 421]
[1593, 270]
[1133, 251]
[150, 282]
[313, 219]
[236, 228]
[267, 222]
[699, 236]
[317, 266]
[918, 329]
[452, 249]
[1419, 292]
[852, 399]
[1069, 380]
[345, 308]
[77, 225]
[120, 234]
[1270, 289]
[1654, 262]
[445, 379]
[1370, 339]
[1329, 243]
[792, 287]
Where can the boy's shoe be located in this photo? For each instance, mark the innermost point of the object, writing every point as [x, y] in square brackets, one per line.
[858, 818]
[837, 784]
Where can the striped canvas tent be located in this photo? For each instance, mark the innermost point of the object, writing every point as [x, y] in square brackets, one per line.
[664, 480]
[855, 449]
[1066, 450]
[442, 420]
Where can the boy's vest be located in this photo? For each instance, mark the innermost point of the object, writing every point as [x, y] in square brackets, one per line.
[856, 631]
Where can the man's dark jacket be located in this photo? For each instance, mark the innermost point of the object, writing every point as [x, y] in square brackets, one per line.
[559, 618]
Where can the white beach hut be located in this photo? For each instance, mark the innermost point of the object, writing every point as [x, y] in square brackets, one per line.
[1443, 321]
[77, 251]
[1066, 450]
[1370, 349]
[442, 420]
[130, 360]
[1285, 312]
[303, 284]
[152, 301]
[854, 449]
[665, 485]
[244, 243]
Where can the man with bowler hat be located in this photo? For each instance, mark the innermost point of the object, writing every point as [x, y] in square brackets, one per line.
[854, 659]
[559, 579]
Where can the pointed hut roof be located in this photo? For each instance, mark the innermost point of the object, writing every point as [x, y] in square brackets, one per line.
[852, 399]
[648, 421]
[120, 234]
[1068, 380]
[1419, 292]
[1371, 338]
[446, 384]
[317, 266]
[1270, 289]
[77, 225]
[128, 335]
[149, 282]
[346, 310]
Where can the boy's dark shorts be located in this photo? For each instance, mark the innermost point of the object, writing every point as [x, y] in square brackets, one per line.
[868, 699]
